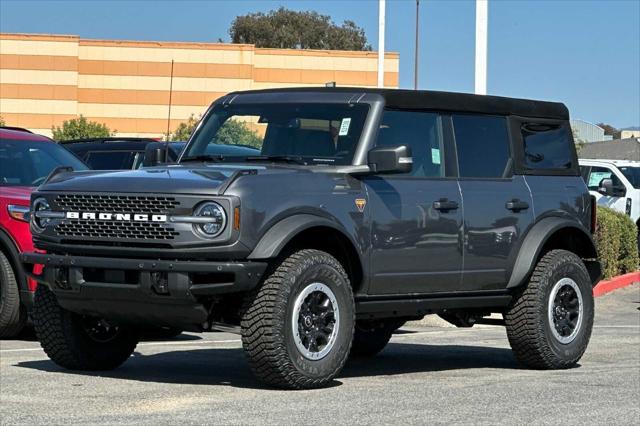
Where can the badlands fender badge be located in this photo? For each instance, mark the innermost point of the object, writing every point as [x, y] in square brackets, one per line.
[360, 204]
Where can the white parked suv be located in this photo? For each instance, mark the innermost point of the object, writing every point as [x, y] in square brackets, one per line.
[615, 184]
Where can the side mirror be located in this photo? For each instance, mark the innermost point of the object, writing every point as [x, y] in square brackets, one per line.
[608, 189]
[154, 154]
[390, 159]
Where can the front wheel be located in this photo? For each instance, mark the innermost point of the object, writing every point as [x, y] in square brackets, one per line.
[549, 321]
[297, 328]
[79, 342]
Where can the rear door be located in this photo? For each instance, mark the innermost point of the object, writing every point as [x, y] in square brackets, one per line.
[416, 218]
[497, 204]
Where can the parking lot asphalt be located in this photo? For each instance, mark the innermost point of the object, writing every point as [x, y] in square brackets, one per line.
[425, 375]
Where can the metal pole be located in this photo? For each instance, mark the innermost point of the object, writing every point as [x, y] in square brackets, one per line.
[482, 12]
[415, 65]
[381, 8]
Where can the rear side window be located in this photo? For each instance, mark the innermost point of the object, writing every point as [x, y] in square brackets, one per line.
[483, 146]
[110, 160]
[547, 146]
[422, 132]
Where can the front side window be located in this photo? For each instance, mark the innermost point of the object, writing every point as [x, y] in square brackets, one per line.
[28, 163]
[547, 146]
[598, 174]
[422, 132]
[307, 133]
[482, 142]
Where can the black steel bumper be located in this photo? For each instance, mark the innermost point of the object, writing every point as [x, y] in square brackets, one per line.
[169, 293]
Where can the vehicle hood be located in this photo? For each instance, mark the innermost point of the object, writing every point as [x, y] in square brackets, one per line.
[173, 179]
[16, 194]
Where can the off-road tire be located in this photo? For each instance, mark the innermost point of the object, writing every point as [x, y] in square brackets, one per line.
[267, 336]
[527, 322]
[371, 337]
[13, 316]
[66, 342]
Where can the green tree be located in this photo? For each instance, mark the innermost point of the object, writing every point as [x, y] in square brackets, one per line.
[577, 139]
[234, 132]
[79, 128]
[1, 121]
[184, 129]
[289, 29]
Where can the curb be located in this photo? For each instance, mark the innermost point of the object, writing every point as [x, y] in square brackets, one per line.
[604, 287]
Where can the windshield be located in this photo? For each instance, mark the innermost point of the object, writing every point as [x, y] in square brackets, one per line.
[307, 133]
[632, 174]
[28, 163]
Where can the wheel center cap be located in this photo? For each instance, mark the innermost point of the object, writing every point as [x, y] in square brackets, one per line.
[307, 321]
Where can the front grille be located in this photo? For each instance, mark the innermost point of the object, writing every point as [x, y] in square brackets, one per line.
[116, 203]
[105, 229]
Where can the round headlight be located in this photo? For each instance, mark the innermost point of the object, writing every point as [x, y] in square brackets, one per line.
[217, 219]
[39, 224]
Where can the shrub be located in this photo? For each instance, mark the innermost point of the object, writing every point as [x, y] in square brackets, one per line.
[79, 128]
[616, 239]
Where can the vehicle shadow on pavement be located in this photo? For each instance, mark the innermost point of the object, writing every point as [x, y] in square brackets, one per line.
[403, 358]
[228, 366]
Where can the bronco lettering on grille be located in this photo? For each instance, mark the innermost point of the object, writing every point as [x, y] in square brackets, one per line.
[122, 217]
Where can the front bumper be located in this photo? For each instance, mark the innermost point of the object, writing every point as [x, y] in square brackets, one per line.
[160, 292]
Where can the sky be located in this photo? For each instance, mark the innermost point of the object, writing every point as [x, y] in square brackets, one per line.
[583, 53]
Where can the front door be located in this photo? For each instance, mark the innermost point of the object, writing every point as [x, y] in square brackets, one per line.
[416, 218]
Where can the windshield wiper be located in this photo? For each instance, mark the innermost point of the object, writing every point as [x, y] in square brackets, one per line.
[277, 158]
[203, 157]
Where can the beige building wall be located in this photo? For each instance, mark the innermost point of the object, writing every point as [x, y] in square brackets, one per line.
[46, 79]
[627, 134]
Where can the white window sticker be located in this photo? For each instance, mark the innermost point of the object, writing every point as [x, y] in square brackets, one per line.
[344, 126]
[435, 156]
[596, 178]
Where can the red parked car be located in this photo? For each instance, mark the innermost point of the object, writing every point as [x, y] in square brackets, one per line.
[26, 160]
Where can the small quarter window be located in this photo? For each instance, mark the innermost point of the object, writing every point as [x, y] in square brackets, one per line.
[547, 146]
[483, 146]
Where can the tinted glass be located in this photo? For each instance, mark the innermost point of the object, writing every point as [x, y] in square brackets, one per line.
[110, 160]
[483, 146]
[317, 133]
[632, 174]
[547, 146]
[422, 132]
[28, 163]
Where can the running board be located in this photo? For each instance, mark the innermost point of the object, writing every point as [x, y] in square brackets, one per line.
[368, 307]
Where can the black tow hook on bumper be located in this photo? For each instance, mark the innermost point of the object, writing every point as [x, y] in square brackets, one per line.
[179, 279]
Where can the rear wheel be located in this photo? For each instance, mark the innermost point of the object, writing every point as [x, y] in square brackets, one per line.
[549, 322]
[297, 327]
[13, 316]
[79, 342]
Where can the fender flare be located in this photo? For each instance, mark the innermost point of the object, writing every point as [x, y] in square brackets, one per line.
[9, 247]
[535, 240]
[273, 241]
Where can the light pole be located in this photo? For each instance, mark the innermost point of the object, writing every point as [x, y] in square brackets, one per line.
[482, 13]
[415, 60]
[381, 6]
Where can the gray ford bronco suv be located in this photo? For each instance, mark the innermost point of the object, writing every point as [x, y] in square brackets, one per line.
[362, 209]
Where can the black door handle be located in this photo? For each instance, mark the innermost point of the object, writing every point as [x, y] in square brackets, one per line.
[444, 204]
[516, 205]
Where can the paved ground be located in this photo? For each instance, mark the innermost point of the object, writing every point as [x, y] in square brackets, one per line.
[426, 375]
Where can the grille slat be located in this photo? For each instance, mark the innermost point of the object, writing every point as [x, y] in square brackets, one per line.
[105, 229]
[116, 203]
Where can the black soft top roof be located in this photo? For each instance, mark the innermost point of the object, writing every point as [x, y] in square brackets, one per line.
[442, 101]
